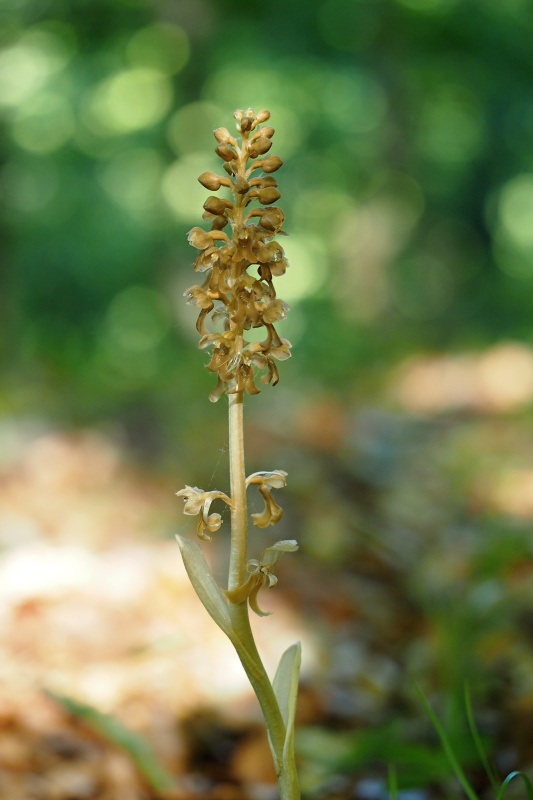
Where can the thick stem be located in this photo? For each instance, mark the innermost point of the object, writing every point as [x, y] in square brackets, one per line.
[250, 658]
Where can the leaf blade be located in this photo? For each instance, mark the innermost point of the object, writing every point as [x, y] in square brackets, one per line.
[487, 766]
[285, 685]
[209, 592]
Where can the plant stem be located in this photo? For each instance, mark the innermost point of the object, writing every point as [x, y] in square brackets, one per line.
[239, 513]
[244, 642]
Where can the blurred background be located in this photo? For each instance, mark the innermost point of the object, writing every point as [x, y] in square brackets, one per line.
[404, 418]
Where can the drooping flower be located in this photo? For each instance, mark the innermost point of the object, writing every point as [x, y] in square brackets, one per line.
[266, 481]
[199, 502]
[261, 575]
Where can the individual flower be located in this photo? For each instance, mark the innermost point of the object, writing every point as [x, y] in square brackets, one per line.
[272, 310]
[199, 502]
[210, 258]
[201, 239]
[261, 575]
[265, 481]
[198, 296]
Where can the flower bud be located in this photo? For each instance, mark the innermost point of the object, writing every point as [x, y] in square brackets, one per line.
[260, 147]
[262, 116]
[267, 131]
[210, 181]
[246, 124]
[241, 186]
[216, 205]
[225, 152]
[268, 195]
[271, 163]
[263, 182]
[218, 223]
[272, 219]
[223, 136]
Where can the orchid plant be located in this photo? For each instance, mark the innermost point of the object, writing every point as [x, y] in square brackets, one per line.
[232, 302]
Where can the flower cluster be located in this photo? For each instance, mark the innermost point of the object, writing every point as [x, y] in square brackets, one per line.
[234, 300]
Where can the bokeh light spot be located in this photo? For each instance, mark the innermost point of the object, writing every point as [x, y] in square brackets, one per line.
[132, 178]
[451, 128]
[308, 267]
[191, 128]
[355, 102]
[137, 320]
[26, 66]
[180, 188]
[162, 46]
[319, 208]
[516, 211]
[44, 123]
[129, 100]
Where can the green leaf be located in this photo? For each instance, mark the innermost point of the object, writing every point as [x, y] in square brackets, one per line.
[115, 732]
[509, 778]
[285, 685]
[205, 586]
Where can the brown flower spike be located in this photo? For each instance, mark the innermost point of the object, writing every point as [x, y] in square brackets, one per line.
[230, 298]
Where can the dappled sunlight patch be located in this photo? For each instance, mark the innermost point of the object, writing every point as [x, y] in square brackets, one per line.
[498, 380]
[94, 599]
[508, 491]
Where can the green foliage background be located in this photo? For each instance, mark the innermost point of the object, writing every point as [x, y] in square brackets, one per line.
[405, 126]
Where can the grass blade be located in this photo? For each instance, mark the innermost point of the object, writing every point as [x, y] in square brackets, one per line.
[487, 766]
[392, 783]
[113, 730]
[509, 778]
[447, 747]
